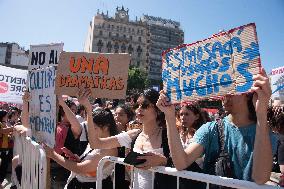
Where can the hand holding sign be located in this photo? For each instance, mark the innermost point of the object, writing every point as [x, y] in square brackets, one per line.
[262, 89]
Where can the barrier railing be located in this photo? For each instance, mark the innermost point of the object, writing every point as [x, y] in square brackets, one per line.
[34, 164]
[208, 179]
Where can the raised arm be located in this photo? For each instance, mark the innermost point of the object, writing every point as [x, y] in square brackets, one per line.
[181, 158]
[25, 113]
[94, 140]
[85, 167]
[262, 154]
[75, 125]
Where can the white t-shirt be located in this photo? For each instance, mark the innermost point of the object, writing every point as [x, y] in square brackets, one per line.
[83, 178]
[83, 136]
[141, 178]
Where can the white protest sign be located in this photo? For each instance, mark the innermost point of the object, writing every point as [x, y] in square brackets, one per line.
[42, 107]
[277, 83]
[42, 56]
[12, 84]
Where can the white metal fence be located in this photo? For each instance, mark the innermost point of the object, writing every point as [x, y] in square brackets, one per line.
[208, 179]
[34, 164]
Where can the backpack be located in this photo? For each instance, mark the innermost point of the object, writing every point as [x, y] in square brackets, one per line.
[164, 181]
[222, 166]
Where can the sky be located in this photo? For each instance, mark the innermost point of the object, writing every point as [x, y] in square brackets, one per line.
[34, 22]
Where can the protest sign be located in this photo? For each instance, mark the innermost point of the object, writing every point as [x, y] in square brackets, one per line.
[42, 56]
[224, 63]
[105, 74]
[42, 106]
[12, 84]
[277, 83]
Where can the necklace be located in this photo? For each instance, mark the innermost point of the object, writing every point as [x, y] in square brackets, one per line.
[147, 137]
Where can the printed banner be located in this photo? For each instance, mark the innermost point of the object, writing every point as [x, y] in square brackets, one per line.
[277, 83]
[42, 107]
[42, 56]
[105, 74]
[224, 63]
[12, 84]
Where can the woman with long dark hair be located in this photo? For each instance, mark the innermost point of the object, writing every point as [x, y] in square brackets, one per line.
[84, 169]
[147, 142]
[191, 118]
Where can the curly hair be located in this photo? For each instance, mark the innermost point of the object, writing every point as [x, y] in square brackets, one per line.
[194, 108]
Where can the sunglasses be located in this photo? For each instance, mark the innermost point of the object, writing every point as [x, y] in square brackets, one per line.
[144, 105]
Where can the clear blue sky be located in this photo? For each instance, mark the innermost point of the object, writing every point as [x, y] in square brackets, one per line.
[36, 21]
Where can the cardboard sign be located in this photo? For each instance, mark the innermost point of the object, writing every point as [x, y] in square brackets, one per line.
[222, 64]
[12, 84]
[277, 83]
[42, 107]
[42, 56]
[105, 74]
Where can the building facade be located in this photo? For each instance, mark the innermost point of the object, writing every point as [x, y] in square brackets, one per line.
[164, 34]
[143, 39]
[12, 55]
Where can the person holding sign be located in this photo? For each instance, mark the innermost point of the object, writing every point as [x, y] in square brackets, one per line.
[84, 169]
[247, 141]
[68, 133]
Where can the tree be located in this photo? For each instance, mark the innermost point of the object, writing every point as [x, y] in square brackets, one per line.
[137, 80]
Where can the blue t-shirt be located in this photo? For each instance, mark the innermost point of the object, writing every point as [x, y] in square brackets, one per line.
[239, 143]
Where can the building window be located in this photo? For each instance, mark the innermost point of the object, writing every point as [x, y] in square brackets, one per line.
[109, 46]
[124, 29]
[109, 34]
[139, 51]
[112, 27]
[129, 30]
[123, 48]
[137, 31]
[139, 39]
[108, 26]
[117, 28]
[103, 25]
[117, 35]
[116, 47]
[124, 36]
[131, 37]
[100, 45]
[142, 32]
[138, 63]
[101, 33]
[130, 49]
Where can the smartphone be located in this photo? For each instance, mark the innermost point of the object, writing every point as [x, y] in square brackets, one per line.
[131, 158]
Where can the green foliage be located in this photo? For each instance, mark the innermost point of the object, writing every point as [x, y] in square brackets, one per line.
[137, 80]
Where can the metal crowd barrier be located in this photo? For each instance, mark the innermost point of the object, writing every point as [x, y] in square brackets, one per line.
[34, 165]
[208, 179]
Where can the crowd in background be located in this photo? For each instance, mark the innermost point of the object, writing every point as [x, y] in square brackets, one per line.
[160, 133]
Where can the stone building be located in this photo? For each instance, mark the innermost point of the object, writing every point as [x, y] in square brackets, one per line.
[12, 55]
[144, 39]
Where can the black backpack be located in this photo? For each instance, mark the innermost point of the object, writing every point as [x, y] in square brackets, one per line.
[222, 164]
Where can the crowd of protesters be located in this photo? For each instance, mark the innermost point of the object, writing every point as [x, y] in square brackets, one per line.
[246, 132]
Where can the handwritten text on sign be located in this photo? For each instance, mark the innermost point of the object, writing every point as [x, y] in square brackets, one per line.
[222, 64]
[42, 56]
[105, 74]
[42, 107]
